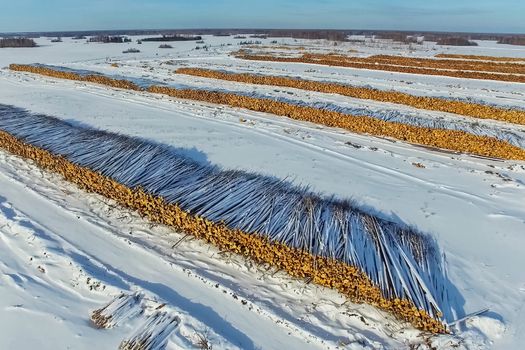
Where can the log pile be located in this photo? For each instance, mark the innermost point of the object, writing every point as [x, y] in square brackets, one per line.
[475, 110]
[91, 78]
[331, 273]
[478, 57]
[369, 63]
[448, 64]
[453, 140]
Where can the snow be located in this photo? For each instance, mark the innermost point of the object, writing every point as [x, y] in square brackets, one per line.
[473, 207]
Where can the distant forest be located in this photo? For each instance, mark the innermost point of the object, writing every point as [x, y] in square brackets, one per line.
[514, 40]
[333, 35]
[174, 38]
[456, 41]
[400, 37]
[109, 39]
[17, 42]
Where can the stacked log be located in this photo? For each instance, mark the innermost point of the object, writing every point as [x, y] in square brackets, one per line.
[475, 110]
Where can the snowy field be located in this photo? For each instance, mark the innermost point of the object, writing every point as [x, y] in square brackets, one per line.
[65, 253]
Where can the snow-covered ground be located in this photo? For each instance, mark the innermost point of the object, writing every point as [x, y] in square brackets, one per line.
[64, 253]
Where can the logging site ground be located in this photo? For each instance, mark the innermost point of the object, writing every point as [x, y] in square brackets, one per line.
[252, 192]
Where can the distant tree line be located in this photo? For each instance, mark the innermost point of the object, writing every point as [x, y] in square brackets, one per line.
[332, 35]
[456, 41]
[399, 37]
[109, 39]
[250, 42]
[335, 35]
[513, 40]
[131, 50]
[174, 38]
[17, 42]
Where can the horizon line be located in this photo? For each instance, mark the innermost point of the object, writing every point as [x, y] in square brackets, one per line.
[258, 29]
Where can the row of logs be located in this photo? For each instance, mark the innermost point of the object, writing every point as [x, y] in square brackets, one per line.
[475, 110]
[346, 279]
[481, 58]
[449, 64]
[454, 140]
[363, 63]
[91, 78]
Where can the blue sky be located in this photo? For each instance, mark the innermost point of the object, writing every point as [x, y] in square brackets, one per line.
[444, 15]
